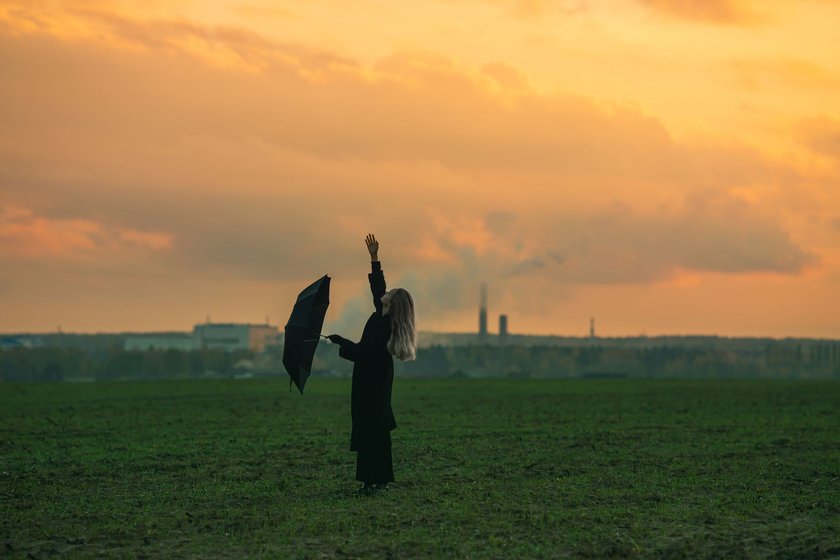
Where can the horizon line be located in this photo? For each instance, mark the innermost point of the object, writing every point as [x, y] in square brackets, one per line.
[445, 333]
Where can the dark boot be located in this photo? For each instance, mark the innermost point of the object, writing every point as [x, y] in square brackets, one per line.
[367, 490]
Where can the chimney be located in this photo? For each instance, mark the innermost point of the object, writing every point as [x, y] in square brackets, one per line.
[482, 314]
[503, 329]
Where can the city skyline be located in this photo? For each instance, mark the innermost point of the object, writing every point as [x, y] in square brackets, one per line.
[666, 167]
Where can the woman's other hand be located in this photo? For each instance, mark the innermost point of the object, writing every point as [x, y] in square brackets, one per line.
[372, 247]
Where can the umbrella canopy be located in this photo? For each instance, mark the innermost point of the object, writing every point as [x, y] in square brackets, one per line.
[303, 330]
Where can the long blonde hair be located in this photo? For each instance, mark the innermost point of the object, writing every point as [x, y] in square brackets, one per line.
[403, 341]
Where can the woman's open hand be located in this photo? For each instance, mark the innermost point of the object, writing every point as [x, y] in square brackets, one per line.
[372, 246]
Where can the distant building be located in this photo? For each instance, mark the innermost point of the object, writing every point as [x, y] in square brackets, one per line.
[224, 336]
[235, 336]
[11, 342]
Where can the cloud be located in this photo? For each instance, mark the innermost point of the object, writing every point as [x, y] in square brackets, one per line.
[506, 76]
[414, 107]
[27, 236]
[755, 75]
[500, 222]
[538, 8]
[533, 9]
[261, 11]
[526, 266]
[270, 172]
[618, 246]
[727, 12]
[441, 293]
[709, 233]
[320, 105]
[224, 46]
[822, 135]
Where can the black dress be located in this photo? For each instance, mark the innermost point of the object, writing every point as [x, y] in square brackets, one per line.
[370, 399]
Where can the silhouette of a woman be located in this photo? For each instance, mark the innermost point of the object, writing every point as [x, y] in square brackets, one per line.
[389, 331]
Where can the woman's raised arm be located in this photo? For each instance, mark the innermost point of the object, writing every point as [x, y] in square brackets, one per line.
[372, 247]
[376, 277]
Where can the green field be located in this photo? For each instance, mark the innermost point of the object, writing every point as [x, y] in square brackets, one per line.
[485, 468]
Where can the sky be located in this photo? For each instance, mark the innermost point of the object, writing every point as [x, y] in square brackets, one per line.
[664, 166]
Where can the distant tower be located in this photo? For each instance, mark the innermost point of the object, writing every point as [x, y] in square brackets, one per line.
[503, 329]
[591, 329]
[482, 314]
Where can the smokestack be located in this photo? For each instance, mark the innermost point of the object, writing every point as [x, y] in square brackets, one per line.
[591, 329]
[482, 314]
[503, 329]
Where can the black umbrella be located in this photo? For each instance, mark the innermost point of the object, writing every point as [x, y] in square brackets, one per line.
[304, 329]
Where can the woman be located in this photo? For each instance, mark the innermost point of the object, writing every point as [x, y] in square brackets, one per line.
[388, 332]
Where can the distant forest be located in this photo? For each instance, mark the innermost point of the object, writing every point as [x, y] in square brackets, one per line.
[102, 357]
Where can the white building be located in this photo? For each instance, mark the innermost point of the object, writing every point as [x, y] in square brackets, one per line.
[224, 336]
[10, 342]
[235, 336]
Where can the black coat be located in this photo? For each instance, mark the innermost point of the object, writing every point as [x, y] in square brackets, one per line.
[373, 375]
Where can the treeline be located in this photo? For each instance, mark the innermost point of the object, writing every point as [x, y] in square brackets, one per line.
[777, 359]
[62, 363]
[774, 360]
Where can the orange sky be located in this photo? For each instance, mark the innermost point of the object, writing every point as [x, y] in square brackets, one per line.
[666, 166]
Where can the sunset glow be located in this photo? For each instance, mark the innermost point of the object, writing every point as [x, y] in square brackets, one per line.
[665, 166]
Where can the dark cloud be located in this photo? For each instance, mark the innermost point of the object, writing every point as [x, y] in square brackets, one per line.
[556, 257]
[500, 222]
[525, 266]
[259, 236]
[440, 292]
[712, 233]
[709, 233]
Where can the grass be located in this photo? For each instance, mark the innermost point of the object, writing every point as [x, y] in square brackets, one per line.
[485, 469]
